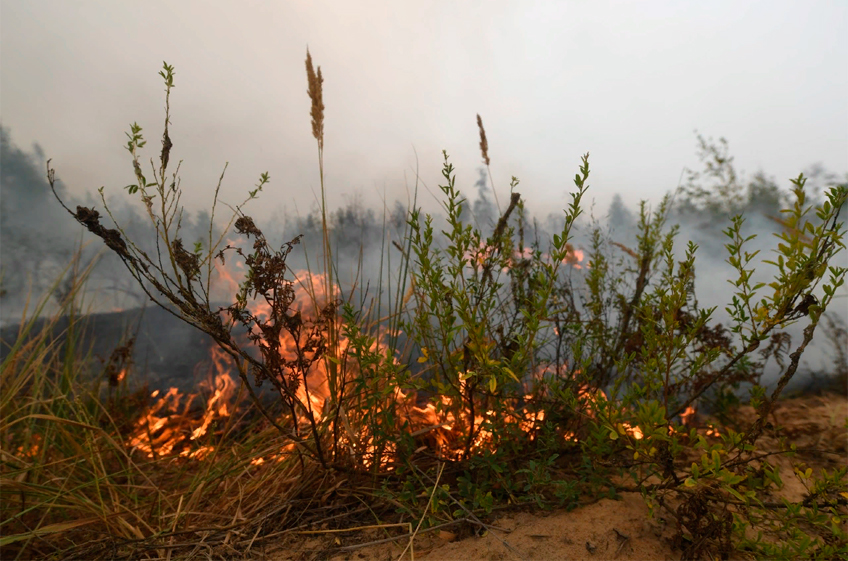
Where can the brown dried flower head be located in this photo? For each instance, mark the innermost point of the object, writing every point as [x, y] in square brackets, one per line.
[484, 144]
[316, 94]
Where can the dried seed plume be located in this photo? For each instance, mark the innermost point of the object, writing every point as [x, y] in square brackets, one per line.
[484, 144]
[316, 94]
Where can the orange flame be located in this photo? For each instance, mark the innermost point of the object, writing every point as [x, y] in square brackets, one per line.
[167, 428]
[167, 425]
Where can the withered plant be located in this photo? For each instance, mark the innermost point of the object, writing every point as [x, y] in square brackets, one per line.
[180, 281]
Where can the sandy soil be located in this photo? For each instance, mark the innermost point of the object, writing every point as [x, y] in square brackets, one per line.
[608, 529]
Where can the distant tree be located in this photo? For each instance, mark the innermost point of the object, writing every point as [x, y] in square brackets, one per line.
[764, 196]
[483, 208]
[38, 243]
[717, 188]
[619, 216]
[35, 237]
[398, 216]
[820, 179]
[718, 192]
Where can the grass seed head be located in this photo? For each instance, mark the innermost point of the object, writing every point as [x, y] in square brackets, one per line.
[316, 94]
[484, 144]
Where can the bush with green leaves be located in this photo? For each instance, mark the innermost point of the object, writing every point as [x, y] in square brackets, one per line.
[550, 381]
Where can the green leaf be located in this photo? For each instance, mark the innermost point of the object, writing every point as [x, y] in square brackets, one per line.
[511, 374]
[736, 494]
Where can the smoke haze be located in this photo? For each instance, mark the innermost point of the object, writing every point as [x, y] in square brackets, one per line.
[626, 82]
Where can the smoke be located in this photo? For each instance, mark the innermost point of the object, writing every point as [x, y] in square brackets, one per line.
[42, 245]
[39, 239]
[702, 209]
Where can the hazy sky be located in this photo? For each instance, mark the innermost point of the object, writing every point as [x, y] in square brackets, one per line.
[626, 81]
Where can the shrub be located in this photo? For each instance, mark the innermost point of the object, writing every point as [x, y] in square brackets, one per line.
[538, 384]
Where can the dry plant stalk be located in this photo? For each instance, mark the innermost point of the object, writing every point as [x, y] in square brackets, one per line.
[316, 94]
[181, 289]
[484, 150]
[484, 144]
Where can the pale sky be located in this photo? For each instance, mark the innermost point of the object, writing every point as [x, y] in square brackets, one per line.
[628, 82]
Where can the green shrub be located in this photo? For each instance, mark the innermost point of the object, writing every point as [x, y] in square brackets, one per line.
[544, 385]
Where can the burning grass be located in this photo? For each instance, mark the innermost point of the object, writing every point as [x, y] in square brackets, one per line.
[159, 485]
[501, 375]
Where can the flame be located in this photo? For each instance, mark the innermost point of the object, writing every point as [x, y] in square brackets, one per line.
[34, 448]
[478, 256]
[225, 284]
[168, 425]
[635, 432]
[689, 418]
[310, 295]
[590, 400]
[573, 257]
[216, 406]
[524, 253]
[170, 428]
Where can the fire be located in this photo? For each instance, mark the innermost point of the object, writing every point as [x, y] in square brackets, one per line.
[689, 418]
[309, 295]
[153, 420]
[590, 399]
[34, 448]
[574, 257]
[168, 425]
[225, 284]
[524, 253]
[480, 255]
[172, 426]
[216, 406]
[635, 432]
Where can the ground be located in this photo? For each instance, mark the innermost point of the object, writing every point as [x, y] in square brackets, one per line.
[608, 529]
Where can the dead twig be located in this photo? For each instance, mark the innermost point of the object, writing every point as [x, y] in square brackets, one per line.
[426, 508]
[473, 518]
